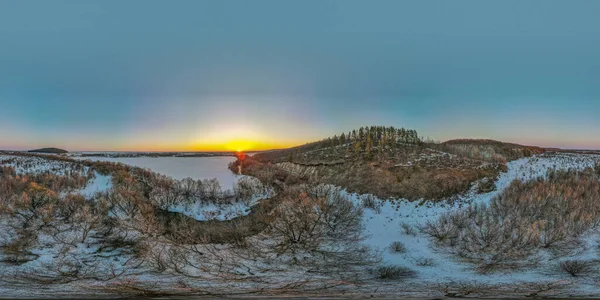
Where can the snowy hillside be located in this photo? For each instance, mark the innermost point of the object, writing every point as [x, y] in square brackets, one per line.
[400, 220]
[114, 238]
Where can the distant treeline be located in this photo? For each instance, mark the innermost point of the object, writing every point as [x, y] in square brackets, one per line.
[365, 138]
[365, 141]
[157, 154]
[486, 149]
[49, 150]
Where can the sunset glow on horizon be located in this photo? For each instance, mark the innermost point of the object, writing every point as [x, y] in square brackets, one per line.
[108, 77]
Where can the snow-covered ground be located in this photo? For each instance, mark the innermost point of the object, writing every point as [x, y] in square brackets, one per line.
[37, 164]
[100, 183]
[393, 221]
[175, 167]
[34, 164]
[182, 167]
[195, 168]
[204, 211]
[385, 225]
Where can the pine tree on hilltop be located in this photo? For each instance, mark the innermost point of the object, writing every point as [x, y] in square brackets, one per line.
[369, 145]
[357, 147]
[368, 137]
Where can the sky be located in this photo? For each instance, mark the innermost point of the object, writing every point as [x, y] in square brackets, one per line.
[144, 75]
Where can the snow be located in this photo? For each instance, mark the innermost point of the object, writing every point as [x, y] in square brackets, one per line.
[189, 167]
[182, 167]
[384, 226]
[205, 211]
[34, 164]
[100, 183]
[37, 164]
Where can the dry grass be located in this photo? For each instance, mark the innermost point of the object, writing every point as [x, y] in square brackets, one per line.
[526, 217]
[382, 180]
[394, 273]
[397, 247]
[489, 150]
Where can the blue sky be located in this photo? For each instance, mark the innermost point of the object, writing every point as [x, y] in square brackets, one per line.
[180, 75]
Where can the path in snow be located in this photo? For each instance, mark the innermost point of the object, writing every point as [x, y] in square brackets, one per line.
[384, 226]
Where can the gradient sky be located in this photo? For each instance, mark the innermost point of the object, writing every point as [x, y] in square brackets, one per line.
[215, 75]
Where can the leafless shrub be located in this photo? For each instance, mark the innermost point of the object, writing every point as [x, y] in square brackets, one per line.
[211, 189]
[68, 267]
[537, 289]
[394, 273]
[320, 226]
[309, 217]
[575, 268]
[543, 213]
[7, 171]
[165, 193]
[425, 262]
[408, 229]
[247, 187]
[137, 288]
[312, 230]
[463, 289]
[369, 201]
[443, 230]
[486, 185]
[397, 247]
[17, 251]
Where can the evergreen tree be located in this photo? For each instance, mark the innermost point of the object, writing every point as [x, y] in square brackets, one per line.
[369, 144]
[357, 147]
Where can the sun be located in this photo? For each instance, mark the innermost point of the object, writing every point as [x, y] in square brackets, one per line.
[239, 145]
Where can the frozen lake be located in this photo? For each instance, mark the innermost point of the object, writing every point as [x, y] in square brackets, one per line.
[182, 167]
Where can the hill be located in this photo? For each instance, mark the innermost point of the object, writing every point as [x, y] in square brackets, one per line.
[390, 163]
[49, 150]
[488, 149]
[367, 142]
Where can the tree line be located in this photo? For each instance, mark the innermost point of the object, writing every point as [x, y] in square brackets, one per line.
[368, 137]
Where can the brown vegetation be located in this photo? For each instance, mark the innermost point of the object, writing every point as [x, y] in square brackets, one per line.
[384, 180]
[546, 213]
[575, 267]
[128, 229]
[389, 168]
[489, 150]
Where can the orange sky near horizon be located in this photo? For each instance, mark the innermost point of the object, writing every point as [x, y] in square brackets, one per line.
[101, 76]
[230, 146]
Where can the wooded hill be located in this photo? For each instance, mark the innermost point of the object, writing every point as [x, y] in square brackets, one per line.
[368, 141]
[49, 150]
[390, 162]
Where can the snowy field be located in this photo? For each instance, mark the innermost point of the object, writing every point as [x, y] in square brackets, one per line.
[399, 220]
[181, 167]
[36, 165]
[386, 221]
[196, 168]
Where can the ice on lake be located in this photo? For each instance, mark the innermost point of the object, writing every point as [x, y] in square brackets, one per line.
[182, 167]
